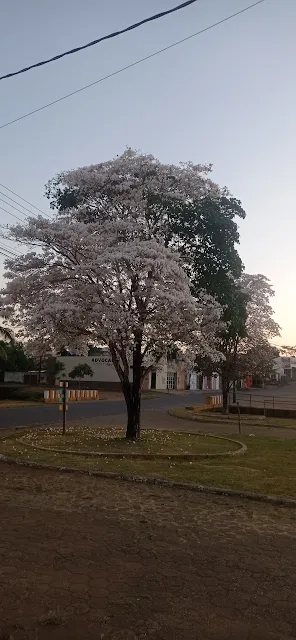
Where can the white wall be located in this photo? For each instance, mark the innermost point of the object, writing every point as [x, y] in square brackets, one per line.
[161, 378]
[101, 365]
[193, 381]
[14, 376]
[214, 383]
[104, 370]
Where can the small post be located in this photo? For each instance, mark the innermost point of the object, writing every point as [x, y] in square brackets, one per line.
[239, 418]
[273, 402]
[264, 408]
[250, 401]
[63, 402]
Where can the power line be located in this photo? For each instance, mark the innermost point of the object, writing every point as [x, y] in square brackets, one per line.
[133, 64]
[8, 249]
[5, 256]
[12, 214]
[13, 207]
[12, 249]
[24, 200]
[108, 37]
[15, 201]
[10, 240]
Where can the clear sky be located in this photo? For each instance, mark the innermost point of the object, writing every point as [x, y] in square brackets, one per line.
[227, 97]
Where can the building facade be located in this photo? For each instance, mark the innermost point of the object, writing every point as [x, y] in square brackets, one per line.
[197, 381]
[284, 368]
[167, 375]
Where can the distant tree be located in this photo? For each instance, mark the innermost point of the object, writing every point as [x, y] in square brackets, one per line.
[7, 335]
[249, 325]
[94, 351]
[39, 348]
[80, 371]
[14, 358]
[54, 369]
[257, 362]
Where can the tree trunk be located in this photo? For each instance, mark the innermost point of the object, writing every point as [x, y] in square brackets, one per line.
[225, 393]
[39, 370]
[234, 392]
[132, 394]
[133, 416]
[225, 401]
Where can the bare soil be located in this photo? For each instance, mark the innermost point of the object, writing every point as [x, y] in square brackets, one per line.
[84, 558]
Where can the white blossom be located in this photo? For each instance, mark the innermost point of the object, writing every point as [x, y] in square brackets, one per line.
[260, 324]
[101, 282]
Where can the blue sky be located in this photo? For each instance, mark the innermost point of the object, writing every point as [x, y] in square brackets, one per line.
[227, 97]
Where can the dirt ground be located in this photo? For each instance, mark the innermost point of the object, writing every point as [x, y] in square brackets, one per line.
[84, 558]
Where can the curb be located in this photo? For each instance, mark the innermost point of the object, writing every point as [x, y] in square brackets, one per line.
[216, 422]
[150, 456]
[230, 493]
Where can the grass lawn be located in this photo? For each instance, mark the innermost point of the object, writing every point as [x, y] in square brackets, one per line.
[112, 440]
[210, 416]
[268, 467]
[7, 404]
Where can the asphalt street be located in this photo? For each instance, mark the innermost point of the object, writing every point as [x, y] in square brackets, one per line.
[46, 414]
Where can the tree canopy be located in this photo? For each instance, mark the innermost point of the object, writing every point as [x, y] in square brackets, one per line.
[107, 282]
[180, 204]
[244, 342]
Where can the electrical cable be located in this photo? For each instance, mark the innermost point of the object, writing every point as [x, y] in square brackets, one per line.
[6, 256]
[13, 215]
[24, 200]
[8, 247]
[9, 250]
[13, 207]
[136, 25]
[133, 64]
[18, 203]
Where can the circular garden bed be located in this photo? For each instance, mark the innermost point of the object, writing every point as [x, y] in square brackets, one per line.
[111, 442]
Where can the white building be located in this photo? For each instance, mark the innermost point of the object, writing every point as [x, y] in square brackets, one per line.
[285, 368]
[167, 375]
[204, 383]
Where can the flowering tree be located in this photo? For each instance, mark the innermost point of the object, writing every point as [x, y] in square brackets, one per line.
[180, 205]
[246, 334]
[260, 323]
[258, 361]
[108, 282]
[6, 334]
[40, 349]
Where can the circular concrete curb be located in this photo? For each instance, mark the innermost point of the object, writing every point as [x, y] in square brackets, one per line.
[148, 456]
[231, 493]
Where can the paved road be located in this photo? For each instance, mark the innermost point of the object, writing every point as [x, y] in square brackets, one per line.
[27, 416]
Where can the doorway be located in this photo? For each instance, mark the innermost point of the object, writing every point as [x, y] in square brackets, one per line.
[153, 380]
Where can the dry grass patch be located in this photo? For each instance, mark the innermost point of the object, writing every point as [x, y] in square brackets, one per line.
[212, 416]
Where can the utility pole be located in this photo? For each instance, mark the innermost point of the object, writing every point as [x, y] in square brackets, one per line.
[63, 397]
